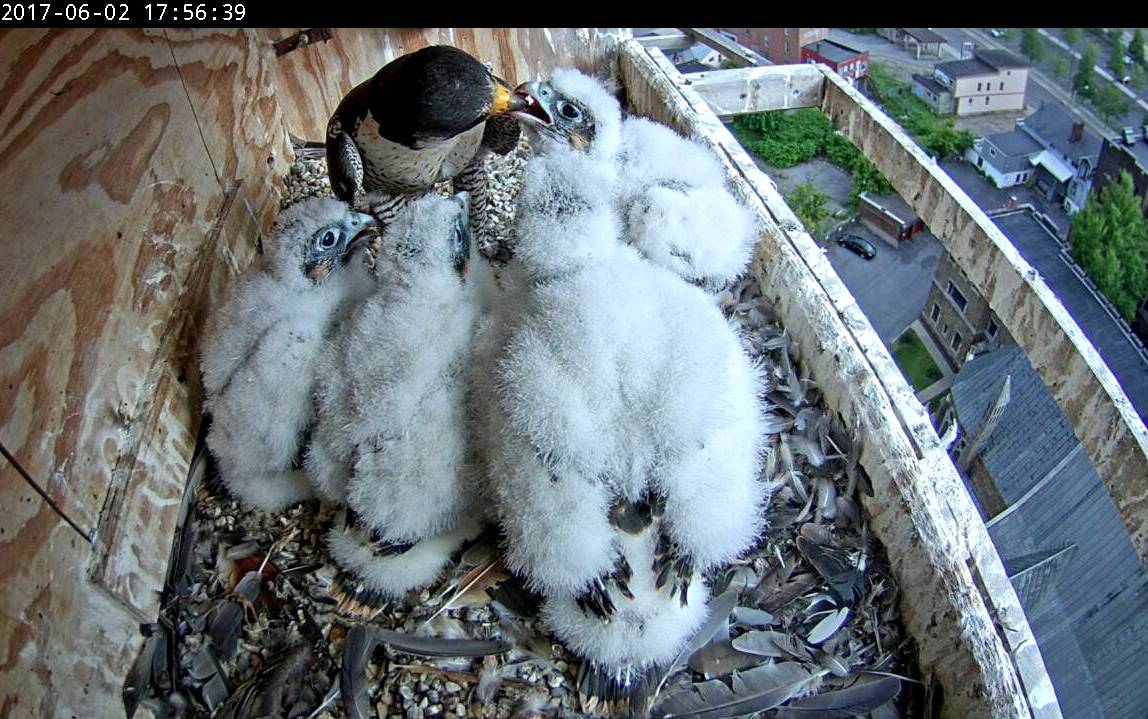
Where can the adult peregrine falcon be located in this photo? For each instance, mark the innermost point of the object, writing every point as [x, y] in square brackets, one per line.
[420, 120]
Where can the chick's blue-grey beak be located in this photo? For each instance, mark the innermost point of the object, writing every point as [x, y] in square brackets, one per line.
[538, 98]
[460, 237]
[360, 227]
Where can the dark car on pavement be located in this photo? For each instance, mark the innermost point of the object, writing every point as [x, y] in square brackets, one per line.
[859, 245]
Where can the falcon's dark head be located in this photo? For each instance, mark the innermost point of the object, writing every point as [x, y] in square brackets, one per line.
[316, 237]
[435, 94]
[572, 110]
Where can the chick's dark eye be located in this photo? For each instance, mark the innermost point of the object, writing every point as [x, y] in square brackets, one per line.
[328, 240]
[570, 112]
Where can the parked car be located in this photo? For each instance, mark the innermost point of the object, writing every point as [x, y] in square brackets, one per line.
[858, 245]
[996, 32]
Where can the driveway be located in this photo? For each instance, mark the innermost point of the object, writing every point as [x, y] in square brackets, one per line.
[891, 288]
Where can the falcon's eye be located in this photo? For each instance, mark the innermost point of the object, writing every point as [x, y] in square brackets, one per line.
[569, 111]
[328, 240]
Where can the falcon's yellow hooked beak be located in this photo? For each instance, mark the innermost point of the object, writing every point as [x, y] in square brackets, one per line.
[505, 99]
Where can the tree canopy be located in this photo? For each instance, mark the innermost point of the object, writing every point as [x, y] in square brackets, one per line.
[1084, 79]
[1109, 240]
[1032, 44]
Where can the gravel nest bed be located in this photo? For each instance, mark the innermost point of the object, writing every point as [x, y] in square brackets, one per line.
[288, 651]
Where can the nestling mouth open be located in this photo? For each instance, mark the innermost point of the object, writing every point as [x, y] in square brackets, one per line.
[534, 111]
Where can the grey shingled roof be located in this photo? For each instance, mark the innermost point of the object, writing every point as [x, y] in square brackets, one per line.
[1032, 434]
[1015, 143]
[930, 84]
[834, 52]
[1035, 575]
[1041, 249]
[1090, 614]
[966, 68]
[923, 34]
[894, 204]
[1054, 125]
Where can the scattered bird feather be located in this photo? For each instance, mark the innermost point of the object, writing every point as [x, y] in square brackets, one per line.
[753, 690]
[719, 658]
[492, 564]
[859, 699]
[844, 577]
[720, 608]
[265, 693]
[772, 644]
[750, 617]
[225, 627]
[358, 647]
[139, 677]
[828, 626]
[435, 647]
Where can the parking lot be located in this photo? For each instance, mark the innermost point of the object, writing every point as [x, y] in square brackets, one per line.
[891, 289]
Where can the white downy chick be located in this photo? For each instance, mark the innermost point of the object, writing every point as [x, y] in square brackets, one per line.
[628, 425]
[392, 441]
[263, 343]
[676, 209]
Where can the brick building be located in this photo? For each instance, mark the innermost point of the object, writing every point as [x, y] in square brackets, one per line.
[889, 217]
[781, 45]
[845, 61]
[956, 316]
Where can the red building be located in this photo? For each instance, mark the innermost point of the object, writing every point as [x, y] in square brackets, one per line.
[845, 61]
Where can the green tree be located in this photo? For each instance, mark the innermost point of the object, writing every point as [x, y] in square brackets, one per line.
[808, 203]
[1060, 66]
[1071, 35]
[1136, 47]
[1116, 59]
[1032, 44]
[1109, 101]
[1083, 81]
[1139, 77]
[1109, 239]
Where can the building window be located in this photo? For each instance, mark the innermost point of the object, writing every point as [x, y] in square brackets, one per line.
[992, 329]
[944, 328]
[956, 343]
[992, 152]
[978, 87]
[935, 313]
[970, 100]
[1002, 86]
[958, 298]
[986, 99]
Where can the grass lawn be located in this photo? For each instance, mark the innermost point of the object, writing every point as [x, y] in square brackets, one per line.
[914, 360]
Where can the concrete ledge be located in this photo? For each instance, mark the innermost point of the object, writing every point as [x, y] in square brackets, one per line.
[957, 602]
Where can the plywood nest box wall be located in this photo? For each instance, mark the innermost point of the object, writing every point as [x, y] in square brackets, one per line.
[141, 168]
